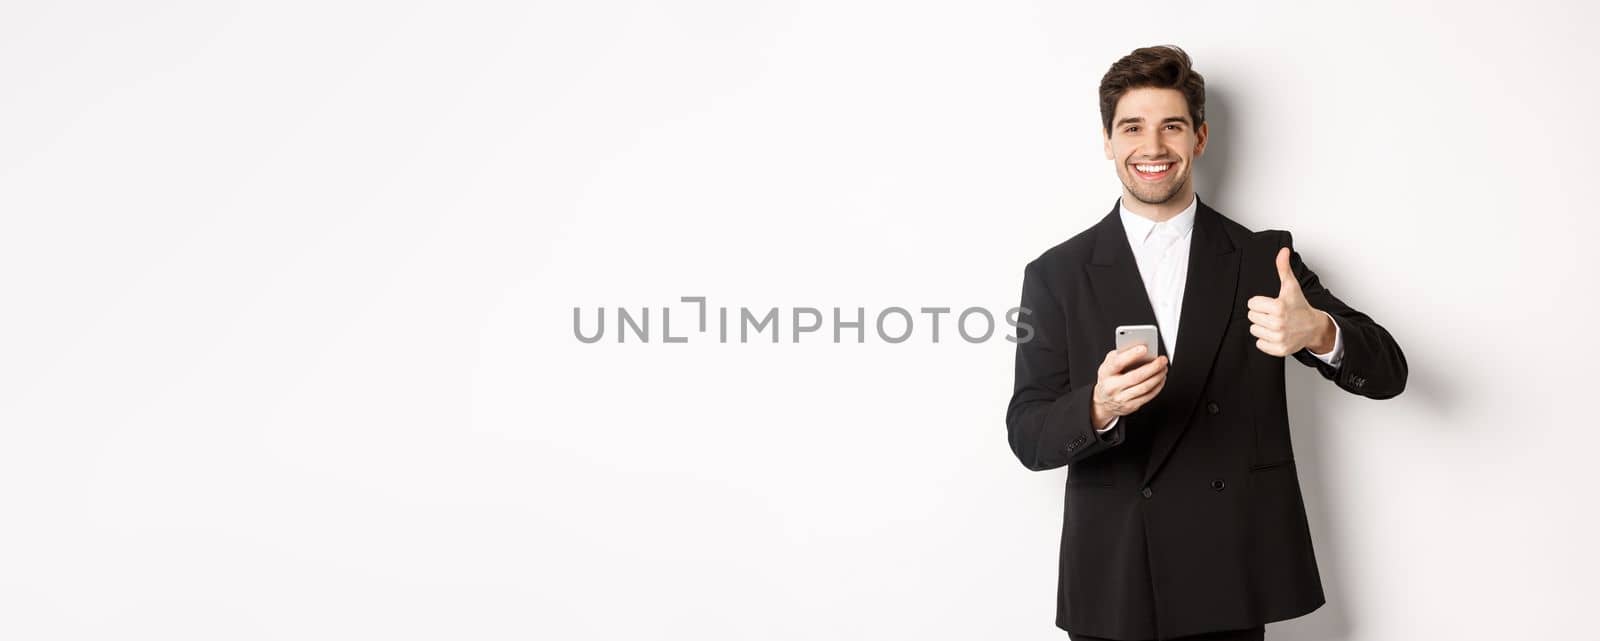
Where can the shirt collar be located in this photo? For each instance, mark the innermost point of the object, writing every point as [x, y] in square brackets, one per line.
[1139, 228]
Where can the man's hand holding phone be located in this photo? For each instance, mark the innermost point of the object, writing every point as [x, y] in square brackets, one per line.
[1120, 388]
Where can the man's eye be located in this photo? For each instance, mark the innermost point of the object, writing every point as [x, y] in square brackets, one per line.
[1173, 127]
[1130, 130]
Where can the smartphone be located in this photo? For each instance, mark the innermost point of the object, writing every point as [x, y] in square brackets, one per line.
[1136, 334]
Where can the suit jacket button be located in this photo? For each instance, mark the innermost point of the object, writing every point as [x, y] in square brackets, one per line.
[1212, 408]
[1217, 484]
[1145, 492]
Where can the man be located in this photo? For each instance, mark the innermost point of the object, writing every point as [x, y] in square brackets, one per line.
[1183, 515]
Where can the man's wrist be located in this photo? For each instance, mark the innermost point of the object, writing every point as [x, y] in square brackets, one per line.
[1098, 418]
[1326, 333]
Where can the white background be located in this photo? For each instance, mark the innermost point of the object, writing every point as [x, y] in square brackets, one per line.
[288, 294]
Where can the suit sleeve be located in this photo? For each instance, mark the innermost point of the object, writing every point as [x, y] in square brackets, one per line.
[1373, 365]
[1048, 420]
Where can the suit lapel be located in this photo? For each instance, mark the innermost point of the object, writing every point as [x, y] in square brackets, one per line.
[1118, 289]
[1207, 302]
[1207, 305]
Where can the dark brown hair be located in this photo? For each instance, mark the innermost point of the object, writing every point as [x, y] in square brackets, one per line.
[1163, 67]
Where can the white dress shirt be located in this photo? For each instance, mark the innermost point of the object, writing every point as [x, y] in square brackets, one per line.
[1161, 250]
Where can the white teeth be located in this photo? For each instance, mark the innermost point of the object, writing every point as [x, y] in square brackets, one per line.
[1152, 169]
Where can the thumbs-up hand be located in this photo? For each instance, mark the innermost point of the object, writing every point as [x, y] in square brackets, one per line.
[1287, 324]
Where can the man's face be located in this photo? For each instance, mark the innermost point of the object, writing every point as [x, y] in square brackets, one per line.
[1153, 143]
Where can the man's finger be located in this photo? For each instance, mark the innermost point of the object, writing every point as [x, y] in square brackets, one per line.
[1265, 320]
[1155, 365]
[1106, 364]
[1139, 389]
[1259, 331]
[1269, 347]
[1263, 304]
[1139, 374]
[1140, 401]
[1114, 362]
[1287, 283]
[1157, 391]
[1130, 355]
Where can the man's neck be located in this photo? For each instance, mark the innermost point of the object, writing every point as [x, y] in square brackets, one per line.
[1159, 213]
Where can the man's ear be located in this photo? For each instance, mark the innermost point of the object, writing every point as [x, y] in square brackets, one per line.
[1106, 136]
[1201, 133]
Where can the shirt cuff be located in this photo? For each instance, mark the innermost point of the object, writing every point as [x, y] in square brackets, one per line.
[1336, 355]
[1108, 426]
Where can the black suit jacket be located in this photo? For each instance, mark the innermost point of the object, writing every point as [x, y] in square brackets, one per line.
[1187, 517]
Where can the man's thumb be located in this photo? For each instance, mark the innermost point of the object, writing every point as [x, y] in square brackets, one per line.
[1286, 280]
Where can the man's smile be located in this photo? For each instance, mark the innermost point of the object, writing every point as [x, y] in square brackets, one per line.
[1153, 171]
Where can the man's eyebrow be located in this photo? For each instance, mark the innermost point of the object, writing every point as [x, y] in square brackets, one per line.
[1134, 120]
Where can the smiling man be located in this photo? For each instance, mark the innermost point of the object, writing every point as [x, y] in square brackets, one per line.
[1183, 515]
